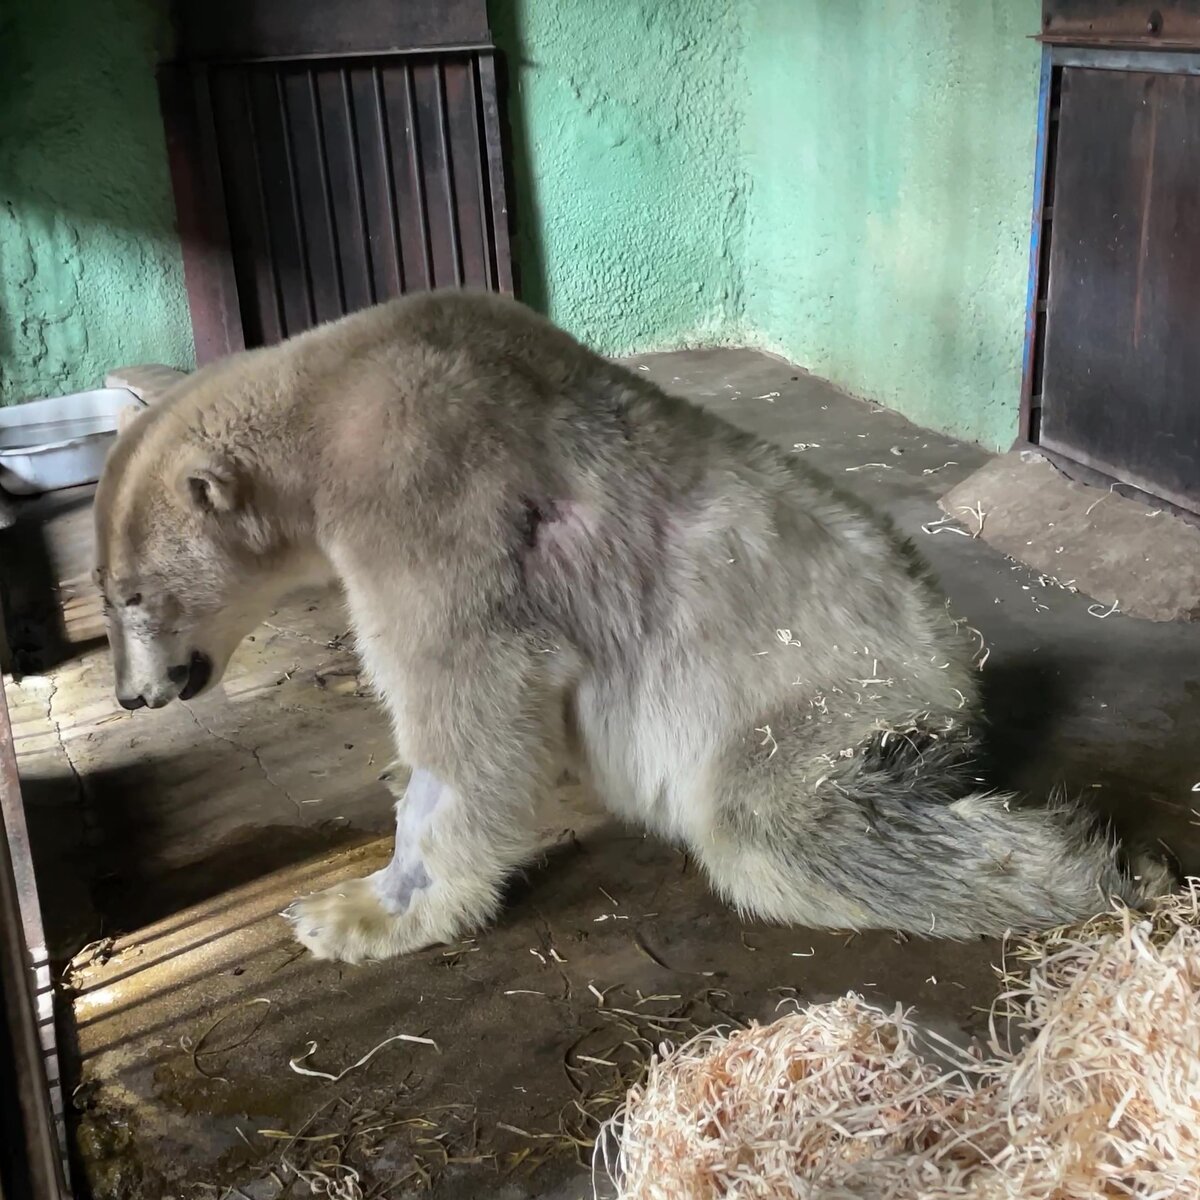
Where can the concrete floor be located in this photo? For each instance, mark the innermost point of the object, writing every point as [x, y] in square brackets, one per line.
[177, 836]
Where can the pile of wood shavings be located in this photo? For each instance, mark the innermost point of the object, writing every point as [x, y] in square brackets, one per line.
[843, 1100]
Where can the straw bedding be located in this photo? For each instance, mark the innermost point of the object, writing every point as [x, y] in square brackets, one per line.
[1099, 1097]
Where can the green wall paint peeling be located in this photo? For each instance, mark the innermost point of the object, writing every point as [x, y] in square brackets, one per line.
[631, 198]
[90, 269]
[891, 149]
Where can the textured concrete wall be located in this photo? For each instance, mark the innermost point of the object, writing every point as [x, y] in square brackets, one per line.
[890, 145]
[626, 117]
[90, 271]
[846, 182]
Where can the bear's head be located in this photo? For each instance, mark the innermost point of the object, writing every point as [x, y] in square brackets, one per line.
[194, 548]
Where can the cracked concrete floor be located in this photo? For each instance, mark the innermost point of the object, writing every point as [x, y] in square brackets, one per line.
[178, 835]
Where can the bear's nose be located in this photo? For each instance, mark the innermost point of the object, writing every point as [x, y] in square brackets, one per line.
[129, 703]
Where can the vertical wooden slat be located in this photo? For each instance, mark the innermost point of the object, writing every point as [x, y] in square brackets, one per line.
[449, 190]
[248, 227]
[271, 318]
[403, 139]
[481, 167]
[274, 179]
[310, 184]
[433, 171]
[376, 158]
[331, 222]
[350, 116]
[466, 169]
[497, 186]
[346, 226]
[200, 212]
[415, 138]
[289, 156]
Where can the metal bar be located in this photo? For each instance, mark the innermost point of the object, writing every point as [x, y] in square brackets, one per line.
[298, 216]
[1025, 427]
[327, 186]
[487, 234]
[480, 157]
[356, 177]
[31, 1156]
[385, 149]
[497, 180]
[268, 246]
[1154, 61]
[414, 152]
[439, 78]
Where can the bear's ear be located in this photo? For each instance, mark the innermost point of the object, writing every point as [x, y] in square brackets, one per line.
[209, 487]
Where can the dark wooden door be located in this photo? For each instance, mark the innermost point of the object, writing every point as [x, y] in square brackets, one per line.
[1120, 379]
[327, 157]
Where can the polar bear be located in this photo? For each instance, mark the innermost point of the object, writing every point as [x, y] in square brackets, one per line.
[551, 564]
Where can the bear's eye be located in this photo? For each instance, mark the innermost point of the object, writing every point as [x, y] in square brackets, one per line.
[136, 598]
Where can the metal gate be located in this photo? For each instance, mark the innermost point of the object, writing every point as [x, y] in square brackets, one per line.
[322, 161]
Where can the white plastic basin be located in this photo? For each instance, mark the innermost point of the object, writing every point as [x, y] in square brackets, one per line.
[60, 442]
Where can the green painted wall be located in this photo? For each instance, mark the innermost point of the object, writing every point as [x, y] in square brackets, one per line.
[90, 270]
[847, 182]
[627, 124]
[890, 144]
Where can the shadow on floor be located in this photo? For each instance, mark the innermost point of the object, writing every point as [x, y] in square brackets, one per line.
[118, 851]
[38, 639]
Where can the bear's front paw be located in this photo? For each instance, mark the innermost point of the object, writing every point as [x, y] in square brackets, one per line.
[349, 922]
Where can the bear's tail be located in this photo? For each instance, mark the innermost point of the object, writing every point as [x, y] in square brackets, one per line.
[896, 844]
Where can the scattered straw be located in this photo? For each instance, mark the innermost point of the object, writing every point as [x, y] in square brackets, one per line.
[944, 525]
[1098, 610]
[1088, 511]
[866, 466]
[348, 1151]
[978, 513]
[1101, 1097]
[597, 993]
[295, 1063]
[197, 1048]
[935, 470]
